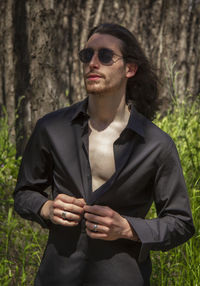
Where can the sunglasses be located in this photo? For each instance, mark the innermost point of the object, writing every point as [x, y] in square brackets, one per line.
[105, 56]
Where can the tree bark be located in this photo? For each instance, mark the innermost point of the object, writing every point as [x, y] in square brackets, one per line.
[7, 91]
[21, 75]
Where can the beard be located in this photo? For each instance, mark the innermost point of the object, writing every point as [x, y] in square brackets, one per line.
[102, 87]
[95, 87]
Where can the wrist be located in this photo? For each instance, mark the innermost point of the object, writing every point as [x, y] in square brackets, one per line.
[45, 210]
[129, 232]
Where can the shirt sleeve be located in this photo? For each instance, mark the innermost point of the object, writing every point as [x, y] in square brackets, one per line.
[35, 175]
[173, 225]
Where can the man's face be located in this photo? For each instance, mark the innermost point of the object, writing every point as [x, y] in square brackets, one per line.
[100, 78]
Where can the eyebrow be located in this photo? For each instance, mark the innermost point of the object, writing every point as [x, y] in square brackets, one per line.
[103, 47]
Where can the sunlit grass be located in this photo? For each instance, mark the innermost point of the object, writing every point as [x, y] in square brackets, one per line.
[181, 266]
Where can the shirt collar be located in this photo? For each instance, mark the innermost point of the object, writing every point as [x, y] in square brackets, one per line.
[81, 110]
[135, 123]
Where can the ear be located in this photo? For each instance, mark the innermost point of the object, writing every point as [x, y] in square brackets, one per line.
[131, 69]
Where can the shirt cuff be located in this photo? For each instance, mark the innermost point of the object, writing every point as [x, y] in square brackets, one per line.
[145, 235]
[43, 222]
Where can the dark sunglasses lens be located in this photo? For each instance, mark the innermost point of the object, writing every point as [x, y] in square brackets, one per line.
[105, 56]
[86, 55]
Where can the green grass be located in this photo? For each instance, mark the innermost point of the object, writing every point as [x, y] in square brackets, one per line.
[21, 242]
[181, 266]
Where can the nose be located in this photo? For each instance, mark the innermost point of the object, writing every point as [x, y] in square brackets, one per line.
[94, 63]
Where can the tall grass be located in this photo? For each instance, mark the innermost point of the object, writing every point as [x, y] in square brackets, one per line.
[22, 242]
[181, 266]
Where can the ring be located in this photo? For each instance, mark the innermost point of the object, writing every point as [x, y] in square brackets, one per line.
[95, 228]
[64, 215]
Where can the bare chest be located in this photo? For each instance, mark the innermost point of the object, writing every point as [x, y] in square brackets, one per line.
[101, 155]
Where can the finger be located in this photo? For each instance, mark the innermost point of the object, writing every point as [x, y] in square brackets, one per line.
[98, 210]
[68, 207]
[58, 220]
[67, 215]
[96, 235]
[96, 227]
[71, 200]
[106, 221]
[82, 201]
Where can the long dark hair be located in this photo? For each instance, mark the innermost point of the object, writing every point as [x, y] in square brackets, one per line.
[142, 88]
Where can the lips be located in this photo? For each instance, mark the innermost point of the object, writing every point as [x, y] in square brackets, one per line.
[93, 76]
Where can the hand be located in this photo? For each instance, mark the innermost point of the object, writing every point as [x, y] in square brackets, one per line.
[110, 224]
[64, 210]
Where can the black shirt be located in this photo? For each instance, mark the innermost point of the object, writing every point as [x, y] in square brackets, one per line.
[147, 169]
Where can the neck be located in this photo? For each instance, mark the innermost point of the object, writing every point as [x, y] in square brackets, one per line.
[104, 109]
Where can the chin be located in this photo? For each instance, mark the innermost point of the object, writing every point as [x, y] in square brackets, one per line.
[94, 89]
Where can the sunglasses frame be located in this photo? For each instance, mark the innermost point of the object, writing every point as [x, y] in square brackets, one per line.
[99, 53]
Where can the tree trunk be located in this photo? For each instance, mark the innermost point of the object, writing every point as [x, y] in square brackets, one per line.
[7, 91]
[21, 74]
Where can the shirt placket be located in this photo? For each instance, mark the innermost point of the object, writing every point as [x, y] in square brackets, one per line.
[87, 172]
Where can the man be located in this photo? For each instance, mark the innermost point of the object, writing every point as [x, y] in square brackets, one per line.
[106, 163]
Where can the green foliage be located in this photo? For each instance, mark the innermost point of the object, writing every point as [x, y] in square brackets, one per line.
[21, 242]
[183, 124]
[181, 266]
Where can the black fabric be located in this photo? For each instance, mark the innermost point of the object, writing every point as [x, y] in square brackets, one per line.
[147, 169]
